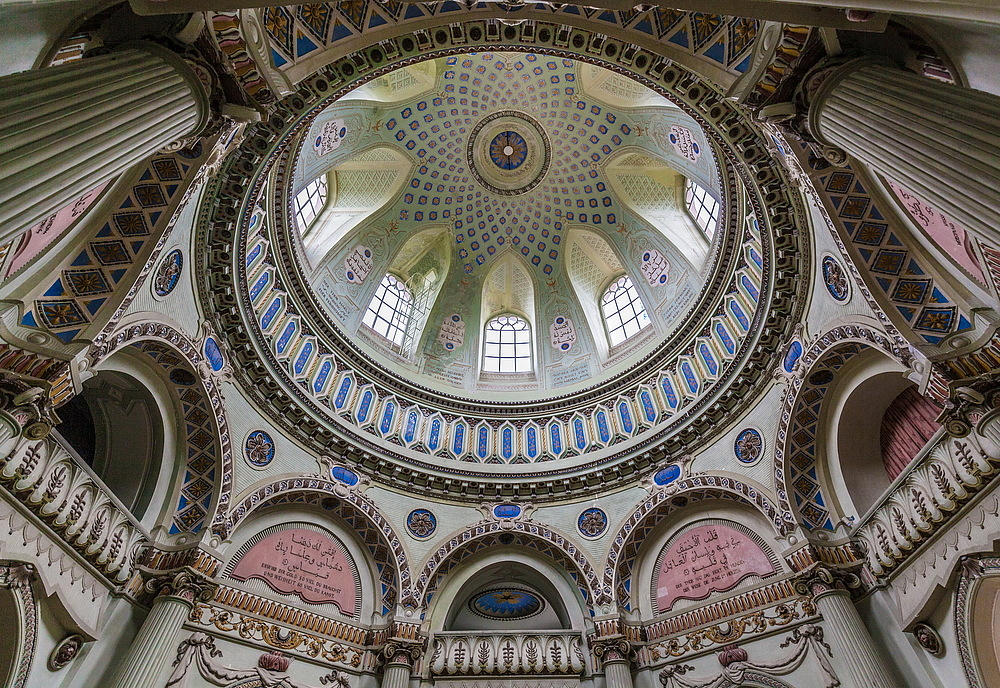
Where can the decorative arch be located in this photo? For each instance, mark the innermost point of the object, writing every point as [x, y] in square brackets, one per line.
[630, 538]
[542, 539]
[795, 455]
[371, 527]
[207, 481]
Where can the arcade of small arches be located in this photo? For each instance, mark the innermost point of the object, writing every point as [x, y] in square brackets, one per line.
[428, 345]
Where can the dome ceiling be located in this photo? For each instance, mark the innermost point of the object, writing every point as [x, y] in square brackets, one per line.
[315, 365]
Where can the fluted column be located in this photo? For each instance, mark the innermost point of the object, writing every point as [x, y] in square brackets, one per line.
[399, 660]
[615, 656]
[939, 140]
[850, 639]
[65, 129]
[155, 646]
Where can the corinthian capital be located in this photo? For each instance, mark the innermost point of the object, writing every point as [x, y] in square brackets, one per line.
[822, 579]
[612, 649]
[187, 584]
[25, 405]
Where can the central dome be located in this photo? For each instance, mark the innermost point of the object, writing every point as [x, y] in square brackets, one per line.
[508, 153]
[503, 258]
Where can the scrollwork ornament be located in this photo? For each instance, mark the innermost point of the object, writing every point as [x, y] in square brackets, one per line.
[821, 580]
[26, 406]
[395, 652]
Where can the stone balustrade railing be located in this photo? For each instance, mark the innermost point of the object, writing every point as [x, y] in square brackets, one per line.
[520, 654]
[923, 498]
[64, 493]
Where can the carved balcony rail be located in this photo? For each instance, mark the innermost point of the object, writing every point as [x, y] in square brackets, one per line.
[944, 476]
[64, 493]
[511, 654]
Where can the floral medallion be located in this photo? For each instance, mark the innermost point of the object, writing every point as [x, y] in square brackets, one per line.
[749, 446]
[421, 523]
[835, 279]
[592, 522]
[259, 449]
[168, 274]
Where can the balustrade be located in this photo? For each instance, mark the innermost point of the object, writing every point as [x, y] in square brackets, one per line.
[521, 654]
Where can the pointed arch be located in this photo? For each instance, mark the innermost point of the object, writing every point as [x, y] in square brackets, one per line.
[655, 191]
[422, 264]
[355, 189]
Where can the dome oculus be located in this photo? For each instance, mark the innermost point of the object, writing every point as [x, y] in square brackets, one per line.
[509, 153]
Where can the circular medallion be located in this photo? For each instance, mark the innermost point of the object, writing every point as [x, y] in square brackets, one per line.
[65, 651]
[592, 522]
[508, 153]
[749, 446]
[506, 604]
[835, 279]
[421, 523]
[259, 449]
[667, 475]
[169, 273]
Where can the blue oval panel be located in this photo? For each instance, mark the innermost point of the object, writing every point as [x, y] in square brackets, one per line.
[667, 475]
[214, 354]
[506, 604]
[343, 475]
[793, 356]
[506, 511]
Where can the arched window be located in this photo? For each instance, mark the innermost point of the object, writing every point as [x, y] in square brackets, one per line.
[310, 201]
[390, 309]
[702, 206]
[624, 314]
[507, 345]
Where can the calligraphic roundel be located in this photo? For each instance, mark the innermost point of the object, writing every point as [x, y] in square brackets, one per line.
[305, 563]
[707, 559]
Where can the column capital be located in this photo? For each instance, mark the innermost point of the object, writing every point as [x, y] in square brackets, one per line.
[402, 652]
[822, 580]
[26, 405]
[185, 584]
[611, 649]
[971, 402]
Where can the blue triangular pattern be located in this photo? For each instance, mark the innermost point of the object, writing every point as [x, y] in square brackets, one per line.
[376, 20]
[744, 65]
[56, 289]
[963, 323]
[340, 31]
[876, 214]
[570, 9]
[147, 175]
[906, 312]
[717, 52]
[938, 297]
[858, 188]
[127, 204]
[914, 269]
[893, 241]
[884, 283]
[680, 38]
[449, 6]
[153, 217]
[865, 253]
[413, 12]
[137, 246]
[95, 305]
[105, 231]
[67, 336]
[931, 339]
[303, 45]
[277, 59]
[644, 26]
[836, 200]
[117, 275]
[28, 319]
[608, 17]
[171, 189]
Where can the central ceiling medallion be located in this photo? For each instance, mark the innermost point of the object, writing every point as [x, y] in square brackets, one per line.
[506, 604]
[509, 153]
